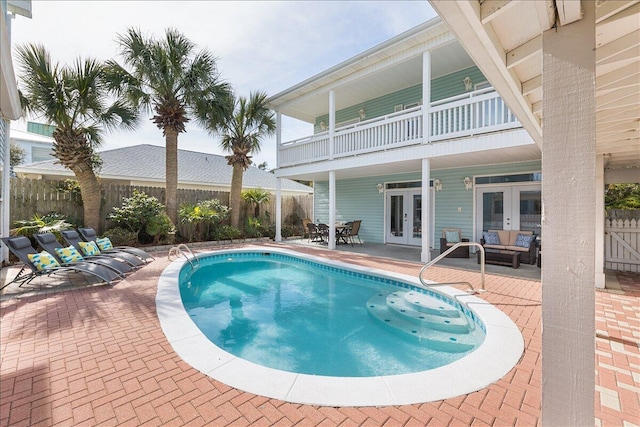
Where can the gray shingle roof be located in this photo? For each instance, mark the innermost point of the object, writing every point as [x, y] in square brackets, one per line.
[147, 162]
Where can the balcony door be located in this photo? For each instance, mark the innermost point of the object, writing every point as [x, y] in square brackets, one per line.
[516, 207]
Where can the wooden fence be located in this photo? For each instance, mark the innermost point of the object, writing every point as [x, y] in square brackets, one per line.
[30, 197]
[622, 244]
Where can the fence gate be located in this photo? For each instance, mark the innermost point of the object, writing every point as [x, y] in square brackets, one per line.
[622, 244]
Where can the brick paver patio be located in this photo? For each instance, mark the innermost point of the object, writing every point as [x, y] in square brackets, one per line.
[97, 356]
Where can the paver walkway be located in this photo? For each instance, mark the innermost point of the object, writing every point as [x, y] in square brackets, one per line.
[97, 356]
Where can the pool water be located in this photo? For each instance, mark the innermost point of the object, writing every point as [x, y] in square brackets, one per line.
[299, 316]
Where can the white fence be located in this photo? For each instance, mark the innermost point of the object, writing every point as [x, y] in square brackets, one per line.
[622, 244]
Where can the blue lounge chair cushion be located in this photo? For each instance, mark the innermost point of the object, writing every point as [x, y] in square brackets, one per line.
[104, 243]
[452, 236]
[69, 254]
[89, 248]
[43, 261]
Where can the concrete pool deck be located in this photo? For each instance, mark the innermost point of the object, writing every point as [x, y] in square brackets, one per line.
[97, 356]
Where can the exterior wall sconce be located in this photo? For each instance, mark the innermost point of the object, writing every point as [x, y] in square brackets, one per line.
[380, 188]
[468, 84]
[468, 183]
[323, 126]
[362, 114]
[437, 184]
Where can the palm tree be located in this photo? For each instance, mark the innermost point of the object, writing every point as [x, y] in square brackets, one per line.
[169, 78]
[247, 123]
[256, 197]
[76, 100]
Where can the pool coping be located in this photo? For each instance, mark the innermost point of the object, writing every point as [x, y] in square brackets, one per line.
[496, 356]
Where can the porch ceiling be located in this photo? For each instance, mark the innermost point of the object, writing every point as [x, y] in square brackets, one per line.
[505, 39]
[386, 68]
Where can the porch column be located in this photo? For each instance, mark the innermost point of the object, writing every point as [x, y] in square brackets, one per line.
[278, 181]
[425, 222]
[279, 210]
[426, 101]
[568, 168]
[600, 218]
[332, 210]
[332, 121]
[5, 212]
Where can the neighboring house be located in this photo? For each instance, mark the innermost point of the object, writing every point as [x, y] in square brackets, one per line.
[9, 104]
[410, 137]
[571, 72]
[36, 147]
[144, 165]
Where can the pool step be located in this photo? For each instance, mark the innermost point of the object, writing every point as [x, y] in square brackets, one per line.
[447, 341]
[428, 304]
[405, 308]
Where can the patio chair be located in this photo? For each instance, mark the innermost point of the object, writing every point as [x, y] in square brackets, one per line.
[305, 228]
[323, 229]
[21, 247]
[49, 243]
[314, 233]
[451, 236]
[353, 231]
[73, 238]
[89, 234]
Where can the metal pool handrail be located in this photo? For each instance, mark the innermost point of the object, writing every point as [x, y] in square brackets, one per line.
[176, 251]
[447, 252]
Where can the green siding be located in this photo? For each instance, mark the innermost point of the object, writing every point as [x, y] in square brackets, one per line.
[40, 129]
[441, 87]
[359, 199]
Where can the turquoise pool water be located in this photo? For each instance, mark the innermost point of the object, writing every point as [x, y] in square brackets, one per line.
[296, 315]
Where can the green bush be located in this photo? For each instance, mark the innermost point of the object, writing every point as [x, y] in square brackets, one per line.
[136, 212]
[204, 216]
[121, 236]
[50, 223]
[161, 228]
[226, 232]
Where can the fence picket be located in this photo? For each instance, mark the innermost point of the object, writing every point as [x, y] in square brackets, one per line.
[622, 244]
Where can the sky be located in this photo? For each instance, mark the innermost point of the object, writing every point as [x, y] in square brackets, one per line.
[265, 45]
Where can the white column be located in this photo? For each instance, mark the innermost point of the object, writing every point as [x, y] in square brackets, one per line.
[425, 223]
[426, 101]
[332, 210]
[568, 232]
[5, 215]
[600, 218]
[278, 181]
[332, 121]
[279, 210]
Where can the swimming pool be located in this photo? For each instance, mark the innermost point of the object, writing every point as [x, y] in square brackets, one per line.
[185, 316]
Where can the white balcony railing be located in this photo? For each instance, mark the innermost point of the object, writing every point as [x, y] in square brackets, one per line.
[470, 114]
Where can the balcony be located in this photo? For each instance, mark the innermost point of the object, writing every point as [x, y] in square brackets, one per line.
[466, 115]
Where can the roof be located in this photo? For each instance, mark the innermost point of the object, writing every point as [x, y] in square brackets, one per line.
[29, 136]
[505, 40]
[147, 163]
[388, 67]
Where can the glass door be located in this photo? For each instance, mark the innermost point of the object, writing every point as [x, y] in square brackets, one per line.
[404, 217]
[516, 207]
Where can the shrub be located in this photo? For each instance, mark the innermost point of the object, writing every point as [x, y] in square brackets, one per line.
[121, 236]
[226, 232]
[160, 228]
[50, 223]
[136, 211]
[203, 216]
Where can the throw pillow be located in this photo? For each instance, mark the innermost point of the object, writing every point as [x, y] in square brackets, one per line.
[104, 243]
[523, 240]
[89, 248]
[490, 238]
[43, 261]
[452, 236]
[69, 254]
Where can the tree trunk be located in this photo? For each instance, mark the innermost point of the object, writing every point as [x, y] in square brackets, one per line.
[171, 174]
[91, 196]
[235, 195]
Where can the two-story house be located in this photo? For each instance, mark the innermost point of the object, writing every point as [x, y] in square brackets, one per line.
[410, 137]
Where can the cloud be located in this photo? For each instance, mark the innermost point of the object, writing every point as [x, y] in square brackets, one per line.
[260, 45]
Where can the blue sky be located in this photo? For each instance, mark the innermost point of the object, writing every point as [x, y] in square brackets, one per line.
[264, 45]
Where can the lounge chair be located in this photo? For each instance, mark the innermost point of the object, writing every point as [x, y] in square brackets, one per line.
[21, 247]
[451, 236]
[49, 243]
[73, 238]
[89, 234]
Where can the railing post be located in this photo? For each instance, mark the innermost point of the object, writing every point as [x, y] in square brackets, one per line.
[426, 97]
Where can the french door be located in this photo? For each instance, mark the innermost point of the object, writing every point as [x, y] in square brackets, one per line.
[517, 207]
[404, 217]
